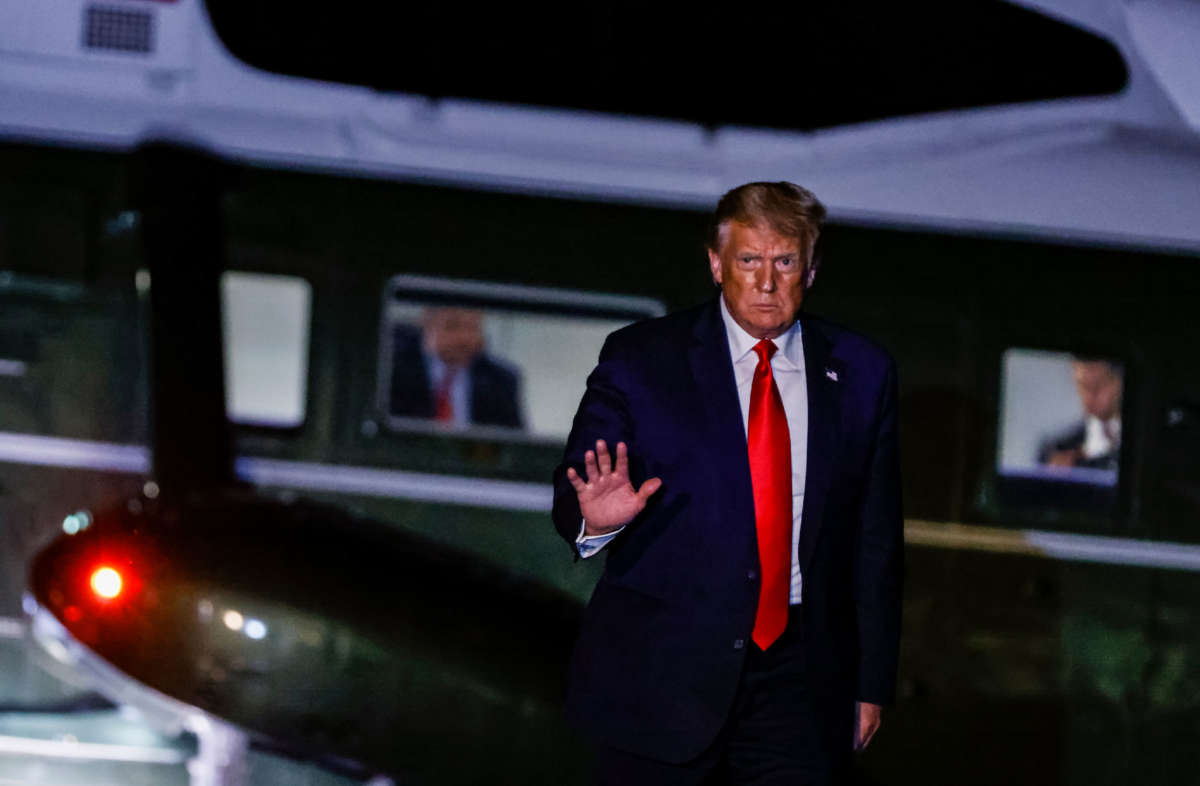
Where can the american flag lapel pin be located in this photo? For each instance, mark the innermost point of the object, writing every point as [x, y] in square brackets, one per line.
[831, 374]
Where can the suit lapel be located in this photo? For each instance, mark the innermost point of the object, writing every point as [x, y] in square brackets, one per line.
[822, 378]
[723, 432]
[712, 370]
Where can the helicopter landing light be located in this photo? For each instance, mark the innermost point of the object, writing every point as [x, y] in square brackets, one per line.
[233, 620]
[77, 522]
[106, 583]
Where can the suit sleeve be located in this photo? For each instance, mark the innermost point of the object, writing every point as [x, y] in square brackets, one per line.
[603, 414]
[879, 559]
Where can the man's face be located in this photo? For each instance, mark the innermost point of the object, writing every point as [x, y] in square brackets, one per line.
[761, 274]
[454, 334]
[1099, 387]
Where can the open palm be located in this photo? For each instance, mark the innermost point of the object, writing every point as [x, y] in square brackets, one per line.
[607, 499]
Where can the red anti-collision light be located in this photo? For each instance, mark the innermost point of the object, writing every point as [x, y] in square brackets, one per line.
[106, 582]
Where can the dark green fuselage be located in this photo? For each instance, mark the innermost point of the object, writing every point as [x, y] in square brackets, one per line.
[1019, 664]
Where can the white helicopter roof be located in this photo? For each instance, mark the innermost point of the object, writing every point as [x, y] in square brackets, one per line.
[1121, 169]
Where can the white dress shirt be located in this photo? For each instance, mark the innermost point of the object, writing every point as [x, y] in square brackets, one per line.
[460, 387]
[1101, 437]
[787, 366]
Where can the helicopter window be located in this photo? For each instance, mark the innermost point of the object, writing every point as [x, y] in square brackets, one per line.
[488, 359]
[266, 329]
[1060, 424]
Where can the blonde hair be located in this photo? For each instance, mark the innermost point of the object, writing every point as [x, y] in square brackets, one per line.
[789, 209]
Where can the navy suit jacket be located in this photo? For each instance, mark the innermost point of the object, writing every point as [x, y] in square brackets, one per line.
[1074, 439]
[663, 639]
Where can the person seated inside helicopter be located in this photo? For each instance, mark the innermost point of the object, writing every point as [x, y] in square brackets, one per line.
[442, 371]
[1094, 442]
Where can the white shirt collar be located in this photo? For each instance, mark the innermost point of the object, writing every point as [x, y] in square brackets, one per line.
[1101, 437]
[791, 347]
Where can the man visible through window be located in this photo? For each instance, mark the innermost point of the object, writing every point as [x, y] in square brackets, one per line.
[443, 372]
[1095, 441]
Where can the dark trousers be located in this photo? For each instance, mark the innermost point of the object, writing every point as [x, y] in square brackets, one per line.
[782, 729]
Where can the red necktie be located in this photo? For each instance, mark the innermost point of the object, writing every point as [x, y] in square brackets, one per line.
[443, 404]
[770, 449]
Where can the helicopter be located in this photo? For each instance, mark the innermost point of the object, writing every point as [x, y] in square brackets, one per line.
[1048, 633]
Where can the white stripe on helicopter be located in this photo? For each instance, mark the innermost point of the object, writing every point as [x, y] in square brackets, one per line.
[536, 498]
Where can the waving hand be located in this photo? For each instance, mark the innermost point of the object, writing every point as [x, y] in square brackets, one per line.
[607, 499]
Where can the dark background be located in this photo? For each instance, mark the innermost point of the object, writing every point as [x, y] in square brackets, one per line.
[799, 66]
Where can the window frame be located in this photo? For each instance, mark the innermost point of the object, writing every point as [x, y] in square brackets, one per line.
[995, 496]
[517, 298]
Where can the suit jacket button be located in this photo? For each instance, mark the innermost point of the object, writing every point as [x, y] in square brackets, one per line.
[739, 643]
[752, 575]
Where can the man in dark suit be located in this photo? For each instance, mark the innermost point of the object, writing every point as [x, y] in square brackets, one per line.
[442, 373]
[746, 625]
[1095, 441]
